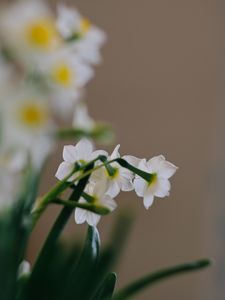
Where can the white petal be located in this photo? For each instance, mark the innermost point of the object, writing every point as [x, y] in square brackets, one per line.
[64, 170]
[69, 153]
[134, 161]
[154, 163]
[163, 188]
[96, 153]
[140, 186]
[148, 200]
[126, 184]
[113, 189]
[166, 169]
[84, 149]
[92, 218]
[143, 165]
[100, 187]
[115, 153]
[80, 215]
[109, 202]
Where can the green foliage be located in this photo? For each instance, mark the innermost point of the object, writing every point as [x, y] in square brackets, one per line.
[67, 273]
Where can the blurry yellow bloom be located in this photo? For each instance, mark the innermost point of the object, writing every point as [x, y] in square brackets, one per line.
[63, 75]
[41, 33]
[32, 114]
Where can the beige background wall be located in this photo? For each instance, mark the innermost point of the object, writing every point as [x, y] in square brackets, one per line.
[161, 86]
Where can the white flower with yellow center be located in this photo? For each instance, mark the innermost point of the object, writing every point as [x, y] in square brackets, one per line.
[120, 178]
[159, 184]
[28, 29]
[27, 122]
[99, 196]
[81, 153]
[85, 38]
[66, 76]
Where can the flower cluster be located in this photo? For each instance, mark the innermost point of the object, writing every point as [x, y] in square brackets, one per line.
[46, 59]
[112, 173]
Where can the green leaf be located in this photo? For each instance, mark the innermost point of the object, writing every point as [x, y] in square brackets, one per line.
[79, 283]
[151, 279]
[107, 288]
[33, 287]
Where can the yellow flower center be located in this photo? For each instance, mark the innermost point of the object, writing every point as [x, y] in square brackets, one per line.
[85, 25]
[62, 74]
[153, 179]
[33, 115]
[41, 33]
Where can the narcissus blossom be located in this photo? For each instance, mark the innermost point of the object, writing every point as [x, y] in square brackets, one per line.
[120, 179]
[159, 184]
[28, 27]
[98, 192]
[81, 153]
[84, 38]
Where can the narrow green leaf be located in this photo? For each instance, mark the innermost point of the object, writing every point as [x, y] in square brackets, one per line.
[79, 282]
[107, 288]
[151, 279]
[33, 288]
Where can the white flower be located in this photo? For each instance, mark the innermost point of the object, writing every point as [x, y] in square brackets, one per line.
[97, 191]
[159, 186]
[66, 75]
[28, 29]
[85, 39]
[120, 180]
[27, 124]
[82, 152]
[81, 119]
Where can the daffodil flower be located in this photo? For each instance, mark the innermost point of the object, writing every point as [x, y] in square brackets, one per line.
[159, 184]
[99, 196]
[84, 38]
[81, 153]
[119, 179]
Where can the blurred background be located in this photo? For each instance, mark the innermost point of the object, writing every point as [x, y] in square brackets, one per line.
[161, 86]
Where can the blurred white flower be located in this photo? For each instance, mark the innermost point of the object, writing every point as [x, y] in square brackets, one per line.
[121, 179]
[98, 192]
[81, 119]
[66, 76]
[28, 29]
[11, 167]
[85, 39]
[82, 153]
[159, 186]
[27, 124]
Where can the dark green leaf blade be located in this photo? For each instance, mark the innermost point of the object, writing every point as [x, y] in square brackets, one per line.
[107, 288]
[78, 284]
[151, 279]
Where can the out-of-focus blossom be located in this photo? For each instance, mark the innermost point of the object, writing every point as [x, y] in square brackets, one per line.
[85, 39]
[28, 30]
[66, 75]
[81, 119]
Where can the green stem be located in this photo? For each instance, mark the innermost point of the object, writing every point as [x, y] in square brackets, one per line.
[98, 209]
[138, 285]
